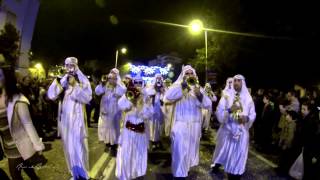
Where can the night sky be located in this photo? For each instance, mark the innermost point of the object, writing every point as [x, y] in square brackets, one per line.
[82, 28]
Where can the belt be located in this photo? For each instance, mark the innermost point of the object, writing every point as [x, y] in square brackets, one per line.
[138, 128]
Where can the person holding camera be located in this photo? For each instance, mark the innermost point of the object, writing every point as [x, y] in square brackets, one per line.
[18, 134]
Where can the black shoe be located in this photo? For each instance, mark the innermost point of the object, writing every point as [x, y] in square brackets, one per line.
[113, 150]
[215, 169]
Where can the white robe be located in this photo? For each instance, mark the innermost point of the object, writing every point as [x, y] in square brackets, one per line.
[72, 126]
[233, 138]
[167, 110]
[110, 114]
[133, 147]
[186, 128]
[155, 123]
[206, 113]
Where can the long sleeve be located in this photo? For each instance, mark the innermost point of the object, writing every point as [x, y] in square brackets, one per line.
[100, 89]
[124, 104]
[173, 94]
[206, 102]
[251, 114]
[147, 111]
[120, 89]
[55, 89]
[24, 116]
[222, 112]
[82, 94]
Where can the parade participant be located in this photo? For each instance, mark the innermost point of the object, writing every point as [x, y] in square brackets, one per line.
[206, 113]
[75, 91]
[133, 141]
[237, 112]
[221, 134]
[189, 99]
[111, 88]
[167, 109]
[155, 123]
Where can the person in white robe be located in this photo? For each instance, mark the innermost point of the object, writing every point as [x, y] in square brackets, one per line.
[75, 89]
[236, 113]
[221, 134]
[206, 113]
[167, 109]
[186, 125]
[111, 88]
[132, 153]
[156, 122]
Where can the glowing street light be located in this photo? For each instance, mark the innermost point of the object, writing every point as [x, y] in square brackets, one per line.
[123, 51]
[195, 27]
[169, 65]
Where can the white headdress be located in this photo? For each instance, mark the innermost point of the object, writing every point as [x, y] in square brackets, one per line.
[71, 60]
[244, 90]
[183, 72]
[117, 73]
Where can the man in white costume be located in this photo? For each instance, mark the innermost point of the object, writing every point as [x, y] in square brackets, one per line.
[75, 91]
[111, 88]
[132, 153]
[206, 113]
[236, 113]
[186, 125]
[221, 134]
[156, 121]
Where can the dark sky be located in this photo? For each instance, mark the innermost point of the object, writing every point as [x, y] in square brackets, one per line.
[82, 28]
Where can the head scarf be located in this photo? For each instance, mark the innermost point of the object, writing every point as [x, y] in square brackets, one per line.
[183, 72]
[117, 73]
[244, 90]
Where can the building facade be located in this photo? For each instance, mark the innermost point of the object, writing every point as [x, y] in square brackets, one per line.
[22, 14]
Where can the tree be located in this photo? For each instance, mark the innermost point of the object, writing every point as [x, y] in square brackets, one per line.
[9, 43]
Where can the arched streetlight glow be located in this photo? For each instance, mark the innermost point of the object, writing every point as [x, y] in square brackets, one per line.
[196, 26]
[123, 50]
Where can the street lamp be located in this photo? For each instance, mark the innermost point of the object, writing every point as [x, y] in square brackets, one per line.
[123, 51]
[195, 27]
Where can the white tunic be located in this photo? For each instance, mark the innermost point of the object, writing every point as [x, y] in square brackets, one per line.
[186, 128]
[206, 113]
[233, 138]
[155, 123]
[72, 126]
[132, 151]
[167, 110]
[110, 114]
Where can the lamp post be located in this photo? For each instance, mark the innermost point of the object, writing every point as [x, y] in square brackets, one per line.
[196, 26]
[123, 51]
